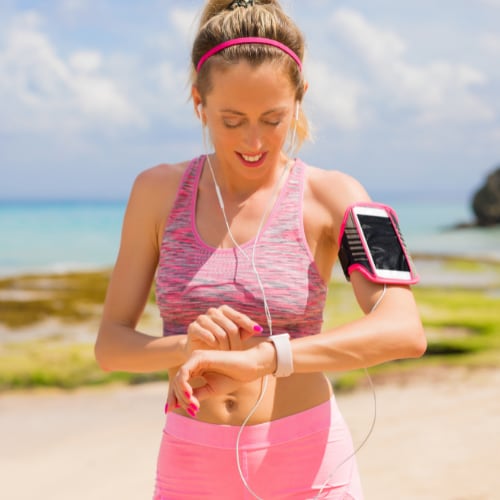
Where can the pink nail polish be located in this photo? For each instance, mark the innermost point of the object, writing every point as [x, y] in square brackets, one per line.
[187, 395]
[191, 412]
[166, 408]
[258, 329]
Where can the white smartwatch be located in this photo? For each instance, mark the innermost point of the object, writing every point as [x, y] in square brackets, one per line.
[284, 358]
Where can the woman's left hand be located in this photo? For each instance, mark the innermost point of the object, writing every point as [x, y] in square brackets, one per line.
[222, 372]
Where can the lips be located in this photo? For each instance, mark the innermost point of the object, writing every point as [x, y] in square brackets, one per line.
[252, 161]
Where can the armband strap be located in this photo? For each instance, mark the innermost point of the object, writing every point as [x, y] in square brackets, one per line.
[284, 358]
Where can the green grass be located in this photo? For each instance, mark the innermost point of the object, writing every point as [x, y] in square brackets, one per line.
[462, 325]
[70, 297]
[51, 363]
[460, 321]
[471, 266]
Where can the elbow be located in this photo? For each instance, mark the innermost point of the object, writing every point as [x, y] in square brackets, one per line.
[418, 348]
[102, 357]
[416, 344]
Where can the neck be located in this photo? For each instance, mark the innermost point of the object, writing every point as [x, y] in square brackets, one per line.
[239, 189]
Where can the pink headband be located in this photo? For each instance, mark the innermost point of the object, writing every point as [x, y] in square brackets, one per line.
[250, 39]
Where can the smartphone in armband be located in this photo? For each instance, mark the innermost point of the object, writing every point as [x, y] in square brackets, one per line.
[371, 243]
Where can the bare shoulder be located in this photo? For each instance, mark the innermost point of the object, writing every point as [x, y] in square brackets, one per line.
[334, 191]
[335, 188]
[160, 178]
[154, 191]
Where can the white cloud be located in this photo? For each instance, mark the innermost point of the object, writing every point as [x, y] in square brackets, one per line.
[438, 91]
[85, 61]
[42, 91]
[491, 3]
[335, 98]
[490, 42]
[74, 8]
[175, 41]
[184, 21]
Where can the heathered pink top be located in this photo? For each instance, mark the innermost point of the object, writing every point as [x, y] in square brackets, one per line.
[193, 276]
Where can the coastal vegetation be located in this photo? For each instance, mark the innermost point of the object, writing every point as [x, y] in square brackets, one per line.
[48, 325]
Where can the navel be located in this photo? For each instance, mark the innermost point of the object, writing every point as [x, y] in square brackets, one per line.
[230, 405]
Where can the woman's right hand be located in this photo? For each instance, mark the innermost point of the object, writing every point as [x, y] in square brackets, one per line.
[220, 328]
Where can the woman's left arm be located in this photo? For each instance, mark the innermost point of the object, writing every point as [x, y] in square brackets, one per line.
[393, 330]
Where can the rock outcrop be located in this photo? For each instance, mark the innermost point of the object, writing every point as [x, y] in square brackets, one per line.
[486, 201]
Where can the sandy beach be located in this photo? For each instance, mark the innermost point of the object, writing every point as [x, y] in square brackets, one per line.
[436, 438]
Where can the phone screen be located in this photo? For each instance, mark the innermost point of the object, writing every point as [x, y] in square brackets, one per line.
[383, 243]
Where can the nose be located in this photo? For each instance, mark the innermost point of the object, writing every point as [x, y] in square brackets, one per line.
[253, 138]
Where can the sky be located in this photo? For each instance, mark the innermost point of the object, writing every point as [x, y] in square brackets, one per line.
[404, 96]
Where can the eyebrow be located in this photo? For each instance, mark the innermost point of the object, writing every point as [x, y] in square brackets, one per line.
[239, 113]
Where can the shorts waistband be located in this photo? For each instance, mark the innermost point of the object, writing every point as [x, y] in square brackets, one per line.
[297, 426]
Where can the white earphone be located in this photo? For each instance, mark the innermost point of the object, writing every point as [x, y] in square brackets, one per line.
[198, 111]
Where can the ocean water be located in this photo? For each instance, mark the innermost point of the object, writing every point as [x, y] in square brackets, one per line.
[57, 236]
[430, 228]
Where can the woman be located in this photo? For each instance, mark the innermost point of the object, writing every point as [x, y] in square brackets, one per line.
[242, 242]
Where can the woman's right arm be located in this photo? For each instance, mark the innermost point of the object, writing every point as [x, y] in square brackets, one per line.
[119, 346]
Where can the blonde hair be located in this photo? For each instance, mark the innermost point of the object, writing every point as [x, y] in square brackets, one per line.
[266, 19]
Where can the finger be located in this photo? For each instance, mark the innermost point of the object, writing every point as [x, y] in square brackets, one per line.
[231, 330]
[182, 388]
[216, 384]
[200, 335]
[172, 402]
[248, 327]
[187, 401]
[212, 322]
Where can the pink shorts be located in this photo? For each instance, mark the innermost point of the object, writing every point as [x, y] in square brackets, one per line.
[288, 458]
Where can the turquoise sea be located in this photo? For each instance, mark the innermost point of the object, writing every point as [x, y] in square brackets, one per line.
[57, 236]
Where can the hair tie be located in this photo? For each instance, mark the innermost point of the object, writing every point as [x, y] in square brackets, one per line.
[240, 3]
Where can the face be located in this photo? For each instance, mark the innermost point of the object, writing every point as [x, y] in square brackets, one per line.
[248, 112]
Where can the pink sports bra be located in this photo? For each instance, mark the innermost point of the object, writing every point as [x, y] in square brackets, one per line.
[193, 276]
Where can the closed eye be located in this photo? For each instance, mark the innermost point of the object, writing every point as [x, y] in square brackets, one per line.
[232, 123]
[272, 123]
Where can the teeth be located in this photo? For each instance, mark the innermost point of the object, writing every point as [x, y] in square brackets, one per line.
[251, 158]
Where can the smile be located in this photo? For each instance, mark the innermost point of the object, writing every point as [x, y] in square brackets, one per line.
[252, 160]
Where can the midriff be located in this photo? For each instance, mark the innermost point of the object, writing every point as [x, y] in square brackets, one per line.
[283, 397]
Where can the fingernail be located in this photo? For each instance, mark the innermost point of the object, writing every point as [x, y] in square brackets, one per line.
[191, 412]
[193, 407]
[187, 395]
[166, 408]
[258, 329]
